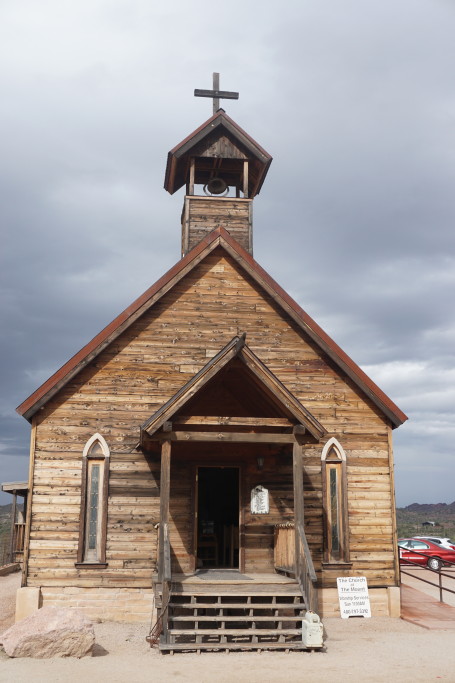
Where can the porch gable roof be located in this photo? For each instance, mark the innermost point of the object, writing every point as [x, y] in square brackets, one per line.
[283, 399]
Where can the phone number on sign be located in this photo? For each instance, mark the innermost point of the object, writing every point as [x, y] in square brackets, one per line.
[356, 611]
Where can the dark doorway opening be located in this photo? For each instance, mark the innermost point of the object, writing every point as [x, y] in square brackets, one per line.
[218, 517]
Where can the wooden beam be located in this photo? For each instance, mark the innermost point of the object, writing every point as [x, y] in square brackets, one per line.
[225, 94]
[19, 487]
[299, 430]
[234, 421]
[233, 437]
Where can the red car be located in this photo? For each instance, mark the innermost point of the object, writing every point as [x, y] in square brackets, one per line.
[425, 553]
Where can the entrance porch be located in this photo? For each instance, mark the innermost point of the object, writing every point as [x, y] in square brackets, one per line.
[231, 447]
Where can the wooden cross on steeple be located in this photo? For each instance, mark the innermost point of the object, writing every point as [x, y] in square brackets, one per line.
[216, 94]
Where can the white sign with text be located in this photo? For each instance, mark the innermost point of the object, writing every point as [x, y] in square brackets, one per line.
[353, 596]
[260, 501]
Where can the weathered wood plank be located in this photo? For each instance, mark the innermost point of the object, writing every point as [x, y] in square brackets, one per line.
[229, 437]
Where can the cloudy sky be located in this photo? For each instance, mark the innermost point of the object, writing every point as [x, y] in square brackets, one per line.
[355, 101]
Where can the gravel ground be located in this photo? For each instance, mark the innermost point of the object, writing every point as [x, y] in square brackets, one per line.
[376, 649]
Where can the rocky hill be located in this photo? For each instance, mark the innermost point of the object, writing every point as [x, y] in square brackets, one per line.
[411, 519]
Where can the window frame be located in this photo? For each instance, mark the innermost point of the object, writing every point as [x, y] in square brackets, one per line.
[91, 457]
[333, 459]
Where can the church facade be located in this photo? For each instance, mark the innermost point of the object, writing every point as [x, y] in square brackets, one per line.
[212, 432]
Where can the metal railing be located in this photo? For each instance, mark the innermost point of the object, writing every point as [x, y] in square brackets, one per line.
[439, 572]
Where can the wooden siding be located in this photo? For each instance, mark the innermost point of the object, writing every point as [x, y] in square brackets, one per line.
[140, 371]
[201, 215]
[222, 147]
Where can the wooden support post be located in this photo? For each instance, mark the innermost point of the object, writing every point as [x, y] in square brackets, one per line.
[191, 183]
[298, 498]
[13, 528]
[28, 520]
[164, 568]
[165, 487]
[245, 179]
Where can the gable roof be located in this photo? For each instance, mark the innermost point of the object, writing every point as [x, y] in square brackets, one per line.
[216, 126]
[217, 238]
[236, 348]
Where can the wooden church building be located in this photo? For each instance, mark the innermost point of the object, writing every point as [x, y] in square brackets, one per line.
[212, 456]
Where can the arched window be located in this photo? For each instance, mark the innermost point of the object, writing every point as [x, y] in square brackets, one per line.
[334, 490]
[94, 492]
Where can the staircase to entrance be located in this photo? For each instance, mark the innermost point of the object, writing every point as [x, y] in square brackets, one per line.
[243, 612]
[256, 612]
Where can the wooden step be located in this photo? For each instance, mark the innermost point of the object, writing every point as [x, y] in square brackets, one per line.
[247, 618]
[243, 589]
[224, 647]
[232, 616]
[235, 632]
[237, 605]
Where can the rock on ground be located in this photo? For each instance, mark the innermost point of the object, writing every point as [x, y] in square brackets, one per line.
[50, 632]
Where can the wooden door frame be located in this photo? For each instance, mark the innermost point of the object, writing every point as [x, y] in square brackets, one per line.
[223, 464]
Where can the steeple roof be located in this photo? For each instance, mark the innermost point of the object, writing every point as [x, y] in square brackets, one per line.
[218, 128]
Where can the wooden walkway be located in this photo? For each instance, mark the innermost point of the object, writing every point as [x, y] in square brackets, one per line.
[423, 610]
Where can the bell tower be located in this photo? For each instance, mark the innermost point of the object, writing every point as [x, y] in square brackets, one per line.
[222, 169]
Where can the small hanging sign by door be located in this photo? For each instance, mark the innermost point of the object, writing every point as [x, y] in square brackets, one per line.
[260, 501]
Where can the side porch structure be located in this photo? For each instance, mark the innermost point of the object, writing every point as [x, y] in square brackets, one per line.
[14, 551]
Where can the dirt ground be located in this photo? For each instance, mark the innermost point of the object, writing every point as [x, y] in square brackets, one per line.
[8, 587]
[376, 649]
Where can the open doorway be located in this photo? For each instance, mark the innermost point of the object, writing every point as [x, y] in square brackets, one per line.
[218, 517]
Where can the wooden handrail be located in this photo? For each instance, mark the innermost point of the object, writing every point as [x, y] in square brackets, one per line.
[164, 576]
[304, 569]
[167, 575]
[292, 555]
